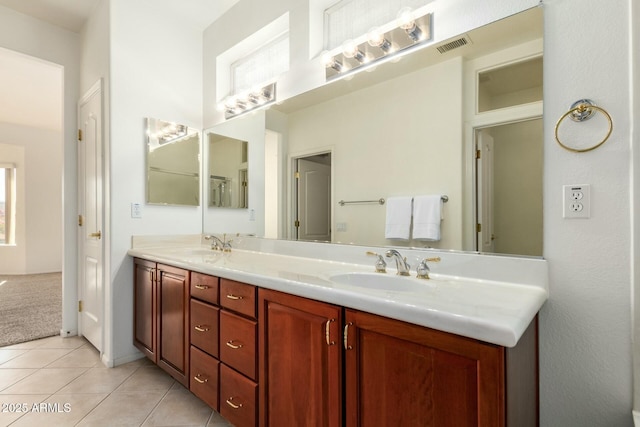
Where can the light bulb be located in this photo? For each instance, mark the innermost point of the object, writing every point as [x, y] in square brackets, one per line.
[351, 50]
[376, 38]
[330, 61]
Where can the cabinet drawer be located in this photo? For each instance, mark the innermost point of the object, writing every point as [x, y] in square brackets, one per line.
[204, 377]
[238, 343]
[238, 397]
[238, 297]
[205, 320]
[204, 287]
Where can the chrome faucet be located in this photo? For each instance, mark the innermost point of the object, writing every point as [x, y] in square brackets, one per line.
[217, 244]
[422, 272]
[401, 263]
[381, 265]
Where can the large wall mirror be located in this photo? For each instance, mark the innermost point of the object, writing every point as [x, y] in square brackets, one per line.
[416, 127]
[173, 163]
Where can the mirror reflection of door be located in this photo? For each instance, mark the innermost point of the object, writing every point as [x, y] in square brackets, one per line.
[509, 188]
[313, 195]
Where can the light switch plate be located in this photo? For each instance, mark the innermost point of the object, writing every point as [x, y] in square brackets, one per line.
[136, 210]
[576, 201]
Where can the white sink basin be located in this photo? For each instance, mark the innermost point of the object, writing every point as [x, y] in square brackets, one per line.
[380, 281]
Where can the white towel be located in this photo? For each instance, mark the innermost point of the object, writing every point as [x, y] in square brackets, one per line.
[427, 214]
[398, 224]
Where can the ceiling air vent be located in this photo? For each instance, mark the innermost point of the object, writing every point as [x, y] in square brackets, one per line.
[463, 41]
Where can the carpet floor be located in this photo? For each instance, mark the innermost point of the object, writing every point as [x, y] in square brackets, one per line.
[30, 307]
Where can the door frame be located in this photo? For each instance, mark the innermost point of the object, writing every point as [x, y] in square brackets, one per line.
[292, 200]
[96, 88]
[505, 116]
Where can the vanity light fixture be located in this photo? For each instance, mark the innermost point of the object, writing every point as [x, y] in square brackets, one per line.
[388, 43]
[248, 101]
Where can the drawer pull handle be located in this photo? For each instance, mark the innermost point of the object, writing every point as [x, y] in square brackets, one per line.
[327, 333]
[200, 328]
[200, 380]
[233, 405]
[233, 346]
[202, 287]
[346, 336]
[233, 297]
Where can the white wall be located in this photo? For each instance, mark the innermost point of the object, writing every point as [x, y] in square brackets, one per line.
[39, 200]
[155, 71]
[30, 36]
[585, 327]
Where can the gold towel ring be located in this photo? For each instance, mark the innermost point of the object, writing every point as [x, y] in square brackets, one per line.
[580, 111]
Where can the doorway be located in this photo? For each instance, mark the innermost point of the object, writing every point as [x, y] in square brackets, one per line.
[312, 197]
[509, 188]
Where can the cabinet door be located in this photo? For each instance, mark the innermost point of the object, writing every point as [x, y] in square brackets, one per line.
[406, 375]
[145, 308]
[300, 361]
[173, 355]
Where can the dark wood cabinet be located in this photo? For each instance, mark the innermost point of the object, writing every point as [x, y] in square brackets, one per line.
[145, 334]
[161, 316]
[268, 358]
[173, 322]
[300, 361]
[398, 373]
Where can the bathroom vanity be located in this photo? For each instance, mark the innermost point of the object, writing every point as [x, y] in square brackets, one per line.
[288, 333]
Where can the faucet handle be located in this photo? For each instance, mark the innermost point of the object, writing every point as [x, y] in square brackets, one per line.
[422, 272]
[381, 265]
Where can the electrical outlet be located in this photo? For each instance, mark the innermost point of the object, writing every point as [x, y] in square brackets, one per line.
[576, 201]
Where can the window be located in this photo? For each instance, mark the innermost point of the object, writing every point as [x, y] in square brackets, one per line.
[349, 19]
[262, 65]
[7, 203]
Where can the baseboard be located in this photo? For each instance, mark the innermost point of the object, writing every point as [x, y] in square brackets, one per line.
[65, 334]
[111, 363]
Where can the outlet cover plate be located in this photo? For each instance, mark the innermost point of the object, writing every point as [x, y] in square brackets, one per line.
[576, 201]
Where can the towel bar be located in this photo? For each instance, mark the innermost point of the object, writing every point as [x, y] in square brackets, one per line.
[380, 201]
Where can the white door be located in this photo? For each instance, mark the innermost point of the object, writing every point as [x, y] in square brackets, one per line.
[314, 198]
[484, 170]
[90, 220]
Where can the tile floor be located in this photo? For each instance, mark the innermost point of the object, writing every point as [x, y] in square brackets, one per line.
[61, 382]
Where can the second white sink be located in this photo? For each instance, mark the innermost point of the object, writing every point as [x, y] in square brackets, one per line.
[380, 281]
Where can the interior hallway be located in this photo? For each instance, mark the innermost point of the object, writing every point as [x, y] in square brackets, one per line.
[67, 374]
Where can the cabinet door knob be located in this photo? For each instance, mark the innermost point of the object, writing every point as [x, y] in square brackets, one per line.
[201, 328]
[233, 346]
[233, 405]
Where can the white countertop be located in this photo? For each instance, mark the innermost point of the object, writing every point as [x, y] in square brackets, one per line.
[494, 311]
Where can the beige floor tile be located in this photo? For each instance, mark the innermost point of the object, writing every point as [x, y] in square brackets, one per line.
[99, 380]
[13, 407]
[23, 345]
[36, 358]
[147, 378]
[216, 420]
[44, 381]
[123, 409]
[85, 356]
[8, 354]
[179, 408]
[61, 411]
[61, 342]
[9, 377]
